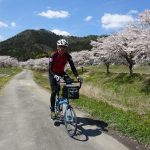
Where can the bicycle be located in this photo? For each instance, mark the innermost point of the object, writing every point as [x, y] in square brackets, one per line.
[64, 111]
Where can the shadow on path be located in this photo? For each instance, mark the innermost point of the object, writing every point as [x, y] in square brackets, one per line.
[88, 127]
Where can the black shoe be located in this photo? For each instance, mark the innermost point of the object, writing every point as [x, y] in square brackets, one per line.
[53, 115]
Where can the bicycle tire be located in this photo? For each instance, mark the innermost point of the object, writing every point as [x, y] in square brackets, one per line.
[70, 121]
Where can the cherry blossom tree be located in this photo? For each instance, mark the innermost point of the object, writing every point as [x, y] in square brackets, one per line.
[7, 61]
[104, 48]
[37, 64]
[132, 44]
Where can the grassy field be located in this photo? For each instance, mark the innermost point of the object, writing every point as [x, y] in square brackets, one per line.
[6, 74]
[121, 100]
[119, 89]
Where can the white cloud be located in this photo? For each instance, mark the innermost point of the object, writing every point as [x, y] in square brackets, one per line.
[133, 12]
[54, 14]
[88, 18]
[115, 21]
[60, 32]
[2, 24]
[13, 24]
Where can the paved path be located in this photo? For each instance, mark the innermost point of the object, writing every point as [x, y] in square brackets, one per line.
[25, 122]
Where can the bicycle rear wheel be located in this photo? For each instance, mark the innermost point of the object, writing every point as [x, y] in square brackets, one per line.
[70, 121]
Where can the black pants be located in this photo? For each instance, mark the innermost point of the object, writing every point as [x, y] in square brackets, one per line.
[54, 89]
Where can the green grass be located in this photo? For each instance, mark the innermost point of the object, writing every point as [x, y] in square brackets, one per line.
[128, 122]
[117, 88]
[121, 83]
[130, 92]
[6, 74]
[41, 80]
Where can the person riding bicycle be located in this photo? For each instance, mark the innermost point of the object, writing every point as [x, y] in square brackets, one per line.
[57, 63]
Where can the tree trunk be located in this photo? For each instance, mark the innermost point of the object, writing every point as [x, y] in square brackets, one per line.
[131, 69]
[130, 62]
[82, 70]
[107, 66]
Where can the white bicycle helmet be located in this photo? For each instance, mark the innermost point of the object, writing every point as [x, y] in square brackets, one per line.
[62, 42]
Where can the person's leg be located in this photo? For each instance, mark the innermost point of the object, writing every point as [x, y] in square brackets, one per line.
[53, 85]
[52, 99]
[52, 102]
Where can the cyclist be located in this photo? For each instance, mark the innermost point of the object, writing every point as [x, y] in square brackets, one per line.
[57, 63]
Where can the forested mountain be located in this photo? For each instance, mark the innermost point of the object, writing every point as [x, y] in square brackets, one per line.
[40, 43]
[29, 44]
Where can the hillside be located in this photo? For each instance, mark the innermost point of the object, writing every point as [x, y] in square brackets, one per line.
[39, 43]
[29, 44]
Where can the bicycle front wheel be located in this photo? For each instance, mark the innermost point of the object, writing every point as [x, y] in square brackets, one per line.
[70, 121]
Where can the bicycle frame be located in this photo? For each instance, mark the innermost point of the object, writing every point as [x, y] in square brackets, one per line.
[69, 116]
[60, 102]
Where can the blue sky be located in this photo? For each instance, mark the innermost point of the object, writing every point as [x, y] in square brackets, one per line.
[68, 17]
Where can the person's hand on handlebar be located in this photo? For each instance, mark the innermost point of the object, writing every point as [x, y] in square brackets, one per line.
[57, 78]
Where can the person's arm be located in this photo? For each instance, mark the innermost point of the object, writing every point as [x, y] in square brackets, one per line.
[73, 68]
[51, 59]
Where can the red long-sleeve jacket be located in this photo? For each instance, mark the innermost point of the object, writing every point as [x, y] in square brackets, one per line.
[57, 63]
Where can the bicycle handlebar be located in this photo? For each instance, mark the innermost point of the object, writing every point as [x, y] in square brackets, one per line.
[70, 82]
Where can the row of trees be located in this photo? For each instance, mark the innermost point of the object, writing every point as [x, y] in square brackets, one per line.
[37, 64]
[7, 61]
